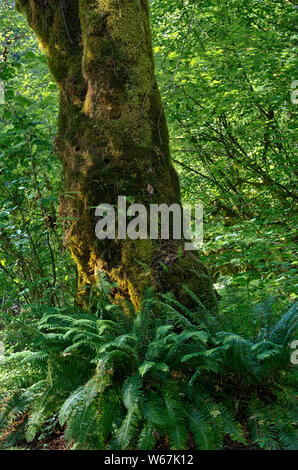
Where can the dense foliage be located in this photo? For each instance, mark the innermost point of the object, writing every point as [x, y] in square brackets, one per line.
[170, 377]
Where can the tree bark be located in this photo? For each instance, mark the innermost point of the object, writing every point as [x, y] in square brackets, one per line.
[112, 140]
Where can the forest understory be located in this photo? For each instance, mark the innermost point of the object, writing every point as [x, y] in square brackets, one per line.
[129, 346]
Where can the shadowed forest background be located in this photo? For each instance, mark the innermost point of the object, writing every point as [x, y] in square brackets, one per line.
[170, 375]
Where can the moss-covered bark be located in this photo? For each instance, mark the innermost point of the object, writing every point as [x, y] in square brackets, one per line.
[112, 139]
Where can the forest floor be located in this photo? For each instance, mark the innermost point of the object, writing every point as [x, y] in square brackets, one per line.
[55, 441]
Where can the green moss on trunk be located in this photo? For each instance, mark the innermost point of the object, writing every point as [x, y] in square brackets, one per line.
[113, 138]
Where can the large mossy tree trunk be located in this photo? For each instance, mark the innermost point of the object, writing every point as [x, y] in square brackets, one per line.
[112, 140]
